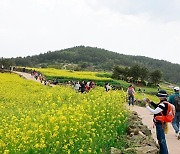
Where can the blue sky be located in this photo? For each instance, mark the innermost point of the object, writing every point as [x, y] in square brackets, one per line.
[135, 27]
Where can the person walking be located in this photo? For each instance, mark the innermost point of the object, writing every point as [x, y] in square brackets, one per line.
[77, 86]
[107, 87]
[175, 100]
[130, 94]
[160, 108]
[83, 86]
[2, 67]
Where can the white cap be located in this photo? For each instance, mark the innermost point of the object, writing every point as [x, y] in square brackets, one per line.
[176, 88]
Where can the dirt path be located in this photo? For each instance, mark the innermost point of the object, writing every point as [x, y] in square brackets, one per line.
[29, 77]
[172, 142]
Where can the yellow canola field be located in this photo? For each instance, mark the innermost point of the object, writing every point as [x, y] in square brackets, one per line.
[40, 119]
[71, 74]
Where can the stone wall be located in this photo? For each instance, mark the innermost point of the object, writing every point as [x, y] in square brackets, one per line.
[140, 137]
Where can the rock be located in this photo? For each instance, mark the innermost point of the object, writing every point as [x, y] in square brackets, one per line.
[146, 150]
[140, 137]
[115, 151]
[129, 150]
[135, 131]
[145, 130]
[140, 133]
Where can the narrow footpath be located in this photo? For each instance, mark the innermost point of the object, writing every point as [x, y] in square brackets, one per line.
[29, 77]
[172, 142]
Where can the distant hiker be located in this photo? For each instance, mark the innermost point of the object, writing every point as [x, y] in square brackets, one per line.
[40, 78]
[130, 93]
[45, 81]
[158, 87]
[55, 81]
[24, 69]
[87, 87]
[12, 68]
[77, 86]
[48, 83]
[92, 84]
[160, 109]
[175, 100]
[32, 72]
[2, 67]
[83, 88]
[107, 87]
[36, 75]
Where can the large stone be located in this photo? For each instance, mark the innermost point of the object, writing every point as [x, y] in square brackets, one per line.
[146, 150]
[115, 151]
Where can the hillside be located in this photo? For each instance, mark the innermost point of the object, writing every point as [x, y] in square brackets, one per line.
[89, 58]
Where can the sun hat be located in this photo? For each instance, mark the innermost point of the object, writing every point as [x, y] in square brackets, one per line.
[162, 94]
[176, 88]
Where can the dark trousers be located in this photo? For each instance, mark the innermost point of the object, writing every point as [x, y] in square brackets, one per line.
[161, 138]
[176, 122]
[131, 100]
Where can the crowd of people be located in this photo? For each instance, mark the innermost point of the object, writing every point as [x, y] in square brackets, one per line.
[83, 86]
[41, 77]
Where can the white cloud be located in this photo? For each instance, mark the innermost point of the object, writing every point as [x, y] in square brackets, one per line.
[162, 10]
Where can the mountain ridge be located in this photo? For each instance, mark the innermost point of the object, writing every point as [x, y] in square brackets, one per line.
[93, 58]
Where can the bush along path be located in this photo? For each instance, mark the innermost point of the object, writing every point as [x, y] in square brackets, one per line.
[172, 142]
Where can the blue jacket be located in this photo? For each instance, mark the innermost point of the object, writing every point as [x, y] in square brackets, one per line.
[171, 98]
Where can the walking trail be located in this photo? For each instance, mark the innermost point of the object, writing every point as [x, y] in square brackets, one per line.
[172, 142]
[29, 77]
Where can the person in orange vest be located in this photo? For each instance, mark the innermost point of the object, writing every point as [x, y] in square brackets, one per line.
[160, 108]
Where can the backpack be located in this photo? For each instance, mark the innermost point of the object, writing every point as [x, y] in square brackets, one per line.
[130, 91]
[169, 114]
[177, 103]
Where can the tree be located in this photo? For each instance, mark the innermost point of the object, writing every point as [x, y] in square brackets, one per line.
[118, 73]
[6, 62]
[135, 72]
[156, 76]
[144, 73]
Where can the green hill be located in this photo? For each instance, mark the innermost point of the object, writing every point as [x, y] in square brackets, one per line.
[90, 58]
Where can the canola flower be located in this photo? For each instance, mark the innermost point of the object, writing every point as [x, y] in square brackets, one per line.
[72, 74]
[40, 119]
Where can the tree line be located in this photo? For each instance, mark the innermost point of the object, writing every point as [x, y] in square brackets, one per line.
[137, 74]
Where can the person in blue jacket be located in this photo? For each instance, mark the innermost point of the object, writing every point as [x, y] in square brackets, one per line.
[175, 100]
